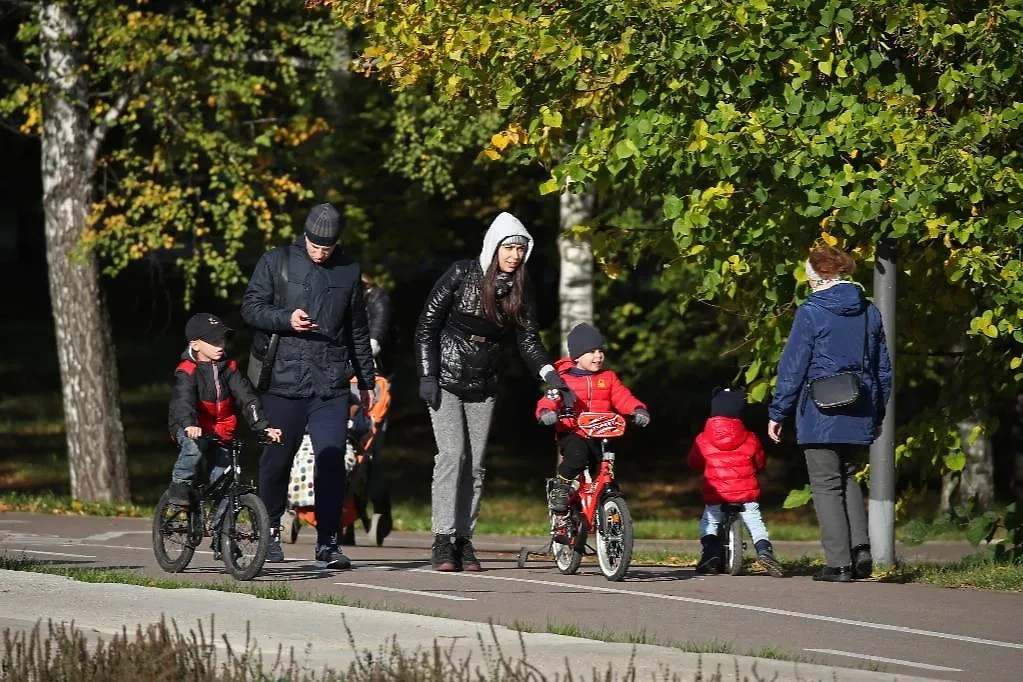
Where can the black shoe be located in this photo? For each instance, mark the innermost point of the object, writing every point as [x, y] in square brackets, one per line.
[832, 574]
[558, 495]
[710, 560]
[179, 493]
[771, 564]
[466, 555]
[274, 553]
[444, 558]
[330, 556]
[863, 563]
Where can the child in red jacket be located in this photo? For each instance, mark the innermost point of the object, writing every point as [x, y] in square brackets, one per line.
[730, 457]
[597, 390]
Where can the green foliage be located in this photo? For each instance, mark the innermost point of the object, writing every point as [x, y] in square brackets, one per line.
[741, 133]
[797, 498]
[208, 109]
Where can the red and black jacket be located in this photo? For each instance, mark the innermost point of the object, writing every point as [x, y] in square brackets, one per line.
[730, 457]
[206, 395]
[599, 391]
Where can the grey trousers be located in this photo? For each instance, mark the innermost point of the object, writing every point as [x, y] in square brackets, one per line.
[460, 429]
[838, 500]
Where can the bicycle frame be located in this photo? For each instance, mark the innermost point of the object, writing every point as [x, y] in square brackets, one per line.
[227, 487]
[591, 490]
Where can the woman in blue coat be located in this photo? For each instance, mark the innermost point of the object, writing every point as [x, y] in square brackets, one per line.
[835, 330]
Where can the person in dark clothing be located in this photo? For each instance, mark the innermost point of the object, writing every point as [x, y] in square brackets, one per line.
[320, 315]
[836, 330]
[208, 391]
[378, 309]
[474, 307]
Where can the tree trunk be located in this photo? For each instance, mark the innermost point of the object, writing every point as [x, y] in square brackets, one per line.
[977, 477]
[85, 348]
[575, 285]
[1016, 441]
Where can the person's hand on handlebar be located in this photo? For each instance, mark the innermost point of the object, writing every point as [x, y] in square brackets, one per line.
[273, 434]
[193, 432]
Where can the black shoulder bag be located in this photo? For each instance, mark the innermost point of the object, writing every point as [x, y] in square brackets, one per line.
[844, 388]
[264, 345]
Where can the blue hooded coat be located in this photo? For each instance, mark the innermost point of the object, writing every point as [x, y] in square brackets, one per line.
[827, 337]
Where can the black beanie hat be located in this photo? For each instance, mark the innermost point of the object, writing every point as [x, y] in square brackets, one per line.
[582, 339]
[323, 226]
[727, 402]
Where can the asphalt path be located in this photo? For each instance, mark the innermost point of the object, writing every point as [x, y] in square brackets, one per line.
[912, 630]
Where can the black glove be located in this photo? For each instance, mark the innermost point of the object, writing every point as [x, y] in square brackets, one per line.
[567, 395]
[429, 391]
[548, 418]
[641, 417]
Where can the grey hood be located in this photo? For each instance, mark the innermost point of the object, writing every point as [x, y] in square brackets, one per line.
[504, 225]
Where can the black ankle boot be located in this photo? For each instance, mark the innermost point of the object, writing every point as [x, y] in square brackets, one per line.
[444, 558]
[835, 574]
[710, 560]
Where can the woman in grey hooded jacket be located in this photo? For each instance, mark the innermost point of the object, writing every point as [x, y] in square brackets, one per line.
[472, 309]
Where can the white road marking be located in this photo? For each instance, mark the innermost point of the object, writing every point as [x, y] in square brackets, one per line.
[421, 593]
[36, 551]
[882, 659]
[112, 534]
[731, 605]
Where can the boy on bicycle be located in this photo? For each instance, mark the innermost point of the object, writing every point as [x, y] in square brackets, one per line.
[730, 456]
[202, 406]
[597, 390]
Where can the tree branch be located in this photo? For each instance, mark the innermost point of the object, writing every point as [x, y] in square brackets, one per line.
[4, 124]
[100, 131]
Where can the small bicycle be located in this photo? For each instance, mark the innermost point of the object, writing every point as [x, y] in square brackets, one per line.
[228, 511]
[596, 506]
[734, 545]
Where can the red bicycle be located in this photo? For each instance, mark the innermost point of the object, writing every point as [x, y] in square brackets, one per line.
[596, 506]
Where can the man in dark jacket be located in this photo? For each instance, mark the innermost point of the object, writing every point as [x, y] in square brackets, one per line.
[320, 314]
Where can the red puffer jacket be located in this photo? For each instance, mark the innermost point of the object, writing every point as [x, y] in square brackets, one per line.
[599, 392]
[730, 457]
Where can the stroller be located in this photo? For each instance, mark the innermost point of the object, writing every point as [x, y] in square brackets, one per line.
[365, 434]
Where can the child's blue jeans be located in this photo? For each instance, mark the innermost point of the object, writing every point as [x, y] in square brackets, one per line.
[191, 450]
[713, 517]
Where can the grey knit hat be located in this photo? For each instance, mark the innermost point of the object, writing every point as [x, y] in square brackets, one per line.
[582, 339]
[515, 239]
[323, 226]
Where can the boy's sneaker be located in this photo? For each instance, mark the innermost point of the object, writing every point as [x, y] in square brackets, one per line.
[560, 532]
[765, 555]
[274, 553]
[444, 557]
[558, 496]
[768, 561]
[466, 555]
[330, 556]
[179, 493]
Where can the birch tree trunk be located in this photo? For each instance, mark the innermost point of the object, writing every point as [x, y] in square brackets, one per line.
[85, 348]
[575, 285]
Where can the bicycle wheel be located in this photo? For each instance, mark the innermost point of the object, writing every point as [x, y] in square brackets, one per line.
[614, 538]
[566, 556]
[733, 546]
[245, 538]
[171, 530]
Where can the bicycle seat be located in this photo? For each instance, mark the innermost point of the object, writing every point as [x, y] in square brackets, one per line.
[733, 507]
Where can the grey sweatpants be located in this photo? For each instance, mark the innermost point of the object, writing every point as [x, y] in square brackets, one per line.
[460, 429]
[838, 500]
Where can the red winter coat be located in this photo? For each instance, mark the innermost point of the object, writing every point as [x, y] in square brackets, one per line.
[599, 392]
[730, 457]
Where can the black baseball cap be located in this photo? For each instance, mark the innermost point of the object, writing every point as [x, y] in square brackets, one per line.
[205, 327]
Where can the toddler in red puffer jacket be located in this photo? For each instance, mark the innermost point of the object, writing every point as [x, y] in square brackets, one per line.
[730, 457]
[597, 389]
